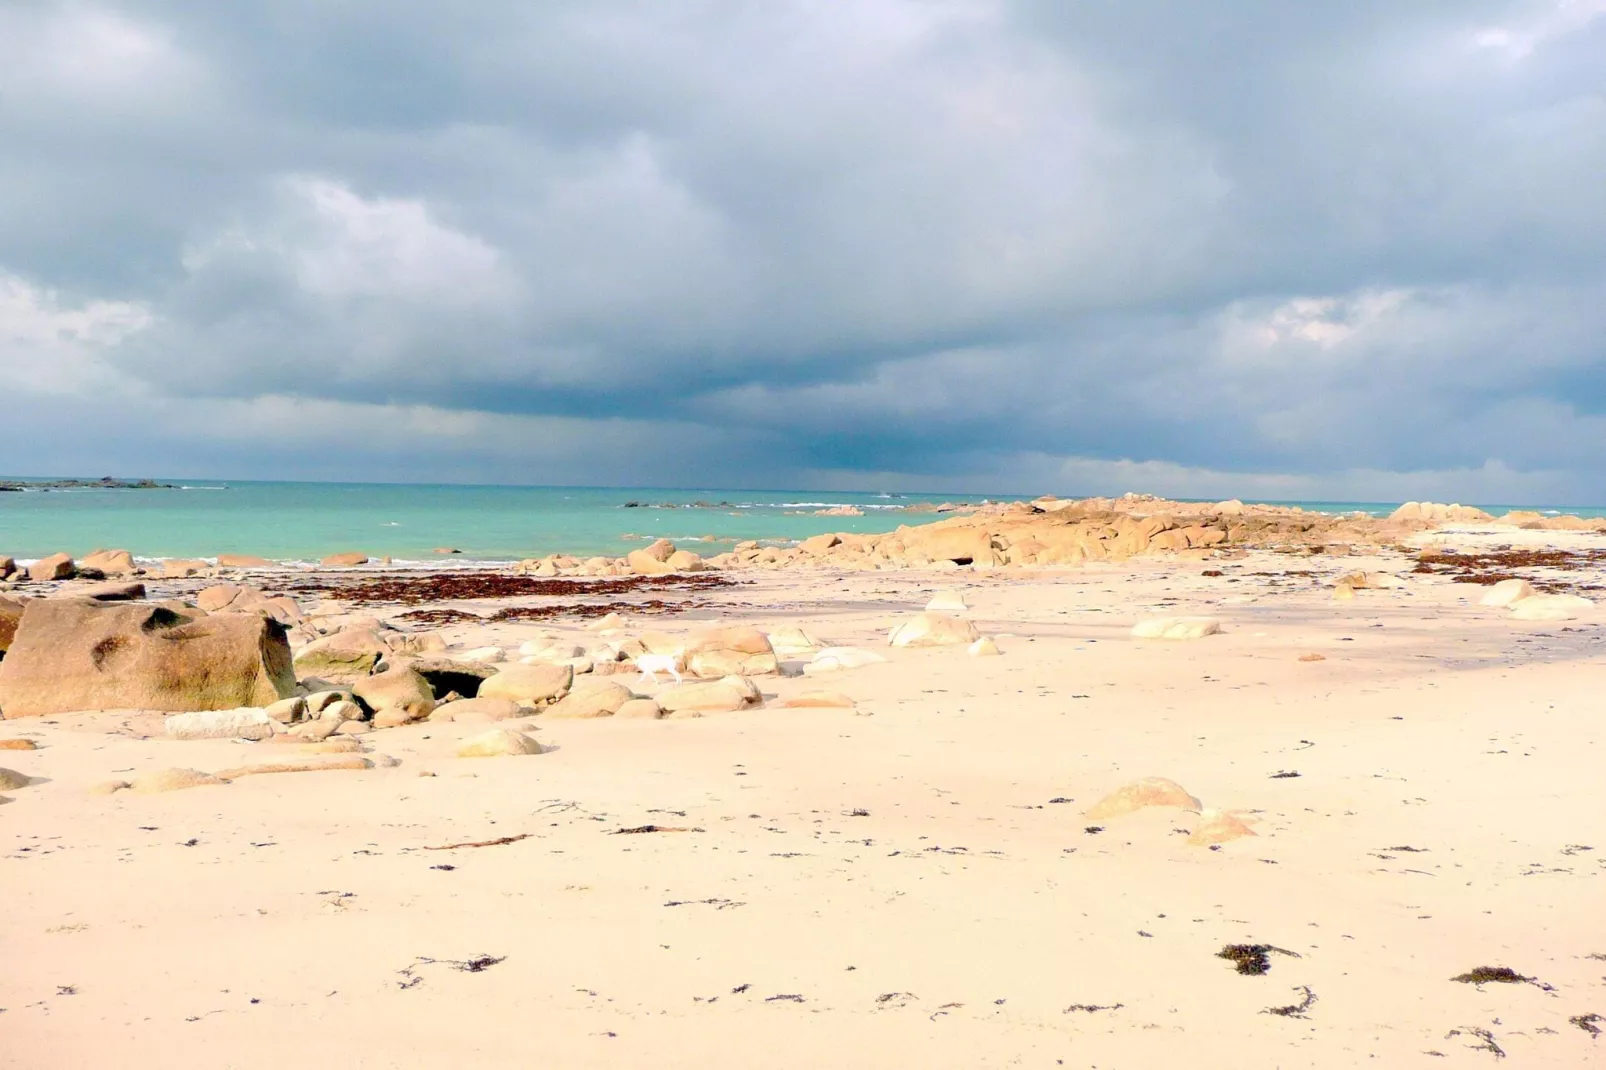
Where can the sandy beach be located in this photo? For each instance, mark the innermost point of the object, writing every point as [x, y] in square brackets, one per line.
[913, 881]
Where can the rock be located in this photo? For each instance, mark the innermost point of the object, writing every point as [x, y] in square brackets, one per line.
[1150, 791]
[18, 744]
[288, 710]
[1506, 592]
[242, 561]
[343, 657]
[171, 780]
[500, 742]
[10, 616]
[790, 639]
[397, 696]
[318, 729]
[246, 723]
[1218, 826]
[983, 648]
[8, 566]
[644, 564]
[54, 567]
[346, 560]
[1534, 607]
[109, 562]
[607, 623]
[319, 701]
[483, 655]
[323, 765]
[342, 745]
[448, 675]
[417, 645]
[11, 780]
[531, 685]
[446, 550]
[111, 592]
[821, 699]
[1177, 628]
[730, 693]
[835, 658]
[659, 550]
[75, 654]
[1371, 581]
[343, 711]
[947, 602]
[600, 699]
[1343, 591]
[353, 728]
[733, 651]
[478, 709]
[179, 568]
[213, 599]
[933, 629]
[639, 708]
[819, 545]
[685, 561]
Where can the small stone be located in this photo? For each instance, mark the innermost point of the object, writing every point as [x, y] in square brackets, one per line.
[983, 648]
[18, 744]
[11, 780]
[1507, 592]
[947, 602]
[933, 629]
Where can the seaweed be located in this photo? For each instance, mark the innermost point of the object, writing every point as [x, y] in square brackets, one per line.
[1492, 974]
[1295, 1010]
[1252, 960]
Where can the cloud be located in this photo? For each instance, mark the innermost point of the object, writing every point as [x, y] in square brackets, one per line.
[972, 243]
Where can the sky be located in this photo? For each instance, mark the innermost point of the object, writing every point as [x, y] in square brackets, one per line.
[1333, 250]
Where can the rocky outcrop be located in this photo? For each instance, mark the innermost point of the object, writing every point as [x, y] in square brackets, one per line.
[242, 561]
[76, 654]
[245, 723]
[346, 560]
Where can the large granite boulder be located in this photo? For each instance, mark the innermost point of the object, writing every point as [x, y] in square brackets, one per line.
[734, 651]
[54, 567]
[78, 654]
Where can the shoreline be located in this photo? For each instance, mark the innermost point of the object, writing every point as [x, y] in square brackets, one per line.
[869, 853]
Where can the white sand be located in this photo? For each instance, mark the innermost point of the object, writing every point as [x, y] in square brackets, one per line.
[282, 920]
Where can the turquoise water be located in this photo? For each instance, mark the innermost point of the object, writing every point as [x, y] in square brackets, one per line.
[306, 521]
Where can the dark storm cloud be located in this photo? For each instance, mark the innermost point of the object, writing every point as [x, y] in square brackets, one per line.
[1323, 246]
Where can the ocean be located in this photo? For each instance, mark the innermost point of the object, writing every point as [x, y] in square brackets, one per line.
[302, 522]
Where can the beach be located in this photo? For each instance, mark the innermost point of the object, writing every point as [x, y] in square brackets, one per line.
[1387, 793]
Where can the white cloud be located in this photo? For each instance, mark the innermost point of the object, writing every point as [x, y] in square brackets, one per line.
[50, 346]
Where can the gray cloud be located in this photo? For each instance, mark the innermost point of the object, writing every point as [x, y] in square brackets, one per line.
[988, 245]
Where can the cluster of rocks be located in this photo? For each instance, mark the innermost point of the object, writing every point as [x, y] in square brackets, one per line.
[659, 558]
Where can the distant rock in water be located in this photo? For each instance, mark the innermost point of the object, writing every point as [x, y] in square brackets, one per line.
[107, 483]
